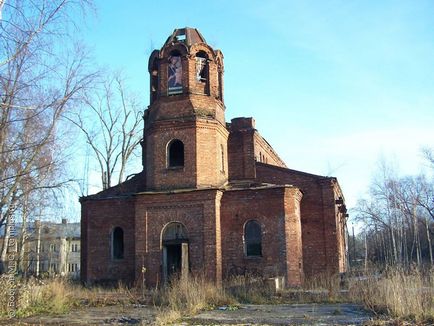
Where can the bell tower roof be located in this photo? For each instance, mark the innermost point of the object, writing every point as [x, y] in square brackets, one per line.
[188, 36]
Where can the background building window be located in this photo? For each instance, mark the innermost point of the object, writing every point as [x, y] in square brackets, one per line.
[253, 238]
[176, 154]
[74, 247]
[118, 243]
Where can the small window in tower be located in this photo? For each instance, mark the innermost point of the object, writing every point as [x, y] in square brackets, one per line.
[201, 66]
[181, 35]
[118, 243]
[253, 239]
[175, 154]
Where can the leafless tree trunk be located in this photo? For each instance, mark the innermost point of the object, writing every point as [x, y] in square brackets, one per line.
[396, 210]
[38, 84]
[118, 128]
[428, 236]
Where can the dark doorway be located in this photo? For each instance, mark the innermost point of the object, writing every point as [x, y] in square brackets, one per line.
[175, 251]
[174, 260]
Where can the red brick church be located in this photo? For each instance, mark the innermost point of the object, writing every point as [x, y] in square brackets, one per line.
[213, 197]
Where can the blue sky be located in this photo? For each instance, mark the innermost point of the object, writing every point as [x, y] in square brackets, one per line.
[333, 85]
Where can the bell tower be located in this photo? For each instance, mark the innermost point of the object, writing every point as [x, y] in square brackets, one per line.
[185, 134]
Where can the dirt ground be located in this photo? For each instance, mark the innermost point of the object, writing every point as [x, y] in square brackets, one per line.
[282, 314]
[286, 314]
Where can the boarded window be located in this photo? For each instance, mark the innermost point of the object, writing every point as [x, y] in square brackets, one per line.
[253, 238]
[176, 154]
[118, 243]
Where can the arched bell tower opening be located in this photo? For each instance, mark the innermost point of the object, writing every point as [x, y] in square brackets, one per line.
[174, 244]
[186, 77]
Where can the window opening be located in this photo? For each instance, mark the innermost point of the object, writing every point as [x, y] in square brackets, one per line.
[253, 238]
[176, 154]
[174, 74]
[180, 36]
[118, 243]
[154, 81]
[201, 66]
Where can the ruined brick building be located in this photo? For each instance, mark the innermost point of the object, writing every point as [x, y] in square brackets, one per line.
[213, 196]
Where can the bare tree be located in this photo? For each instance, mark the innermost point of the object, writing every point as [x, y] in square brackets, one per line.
[39, 82]
[398, 212]
[428, 153]
[111, 123]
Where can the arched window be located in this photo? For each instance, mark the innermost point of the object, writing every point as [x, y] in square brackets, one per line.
[201, 67]
[175, 154]
[253, 239]
[118, 243]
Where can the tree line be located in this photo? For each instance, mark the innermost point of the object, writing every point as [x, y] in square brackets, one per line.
[397, 219]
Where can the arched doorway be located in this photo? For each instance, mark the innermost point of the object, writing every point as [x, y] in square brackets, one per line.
[175, 251]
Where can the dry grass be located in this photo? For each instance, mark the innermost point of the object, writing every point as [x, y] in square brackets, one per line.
[97, 296]
[249, 289]
[34, 296]
[187, 296]
[404, 295]
[398, 293]
[55, 296]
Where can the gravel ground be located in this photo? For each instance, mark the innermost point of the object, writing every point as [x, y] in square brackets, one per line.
[281, 314]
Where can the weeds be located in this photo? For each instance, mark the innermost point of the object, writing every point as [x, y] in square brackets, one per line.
[35, 296]
[399, 293]
[406, 295]
[56, 295]
[188, 296]
[248, 289]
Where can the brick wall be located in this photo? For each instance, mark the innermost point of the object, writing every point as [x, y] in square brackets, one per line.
[99, 218]
[320, 237]
[158, 174]
[198, 212]
[276, 210]
[241, 149]
[265, 153]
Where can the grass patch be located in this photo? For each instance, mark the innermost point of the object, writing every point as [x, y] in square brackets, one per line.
[399, 293]
[405, 295]
[56, 296]
[34, 296]
[249, 289]
[187, 296]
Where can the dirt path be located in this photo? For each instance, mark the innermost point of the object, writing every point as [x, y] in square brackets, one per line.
[287, 314]
[282, 314]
